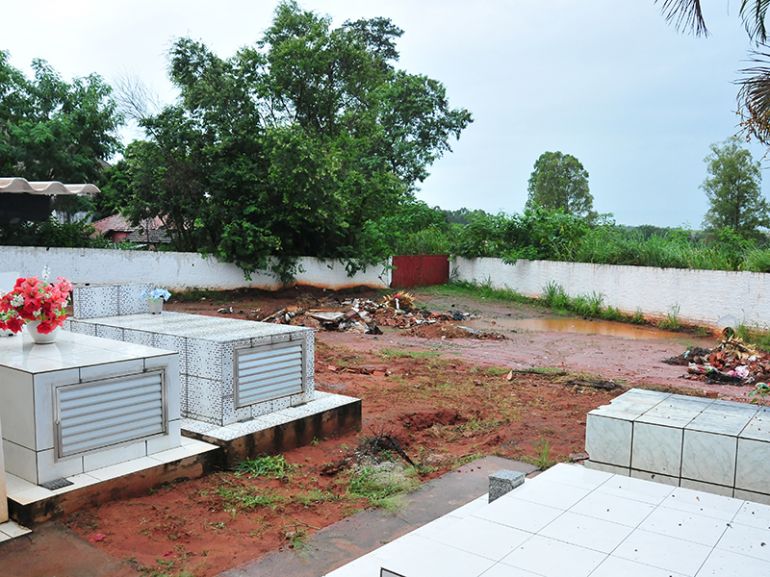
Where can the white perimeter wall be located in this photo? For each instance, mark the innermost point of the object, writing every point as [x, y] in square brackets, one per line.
[173, 270]
[718, 298]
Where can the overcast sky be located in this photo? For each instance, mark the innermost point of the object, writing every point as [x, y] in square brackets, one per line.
[605, 80]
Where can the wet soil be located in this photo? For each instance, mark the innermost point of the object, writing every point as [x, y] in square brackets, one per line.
[443, 400]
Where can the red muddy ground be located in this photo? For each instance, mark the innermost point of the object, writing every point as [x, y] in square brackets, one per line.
[444, 400]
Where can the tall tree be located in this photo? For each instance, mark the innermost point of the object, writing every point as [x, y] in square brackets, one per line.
[290, 146]
[51, 129]
[733, 190]
[559, 182]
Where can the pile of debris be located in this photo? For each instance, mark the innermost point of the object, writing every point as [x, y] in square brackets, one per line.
[396, 310]
[732, 361]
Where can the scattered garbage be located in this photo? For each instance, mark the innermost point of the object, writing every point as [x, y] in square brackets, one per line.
[397, 310]
[732, 361]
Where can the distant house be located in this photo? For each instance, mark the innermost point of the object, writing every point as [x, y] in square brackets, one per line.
[117, 228]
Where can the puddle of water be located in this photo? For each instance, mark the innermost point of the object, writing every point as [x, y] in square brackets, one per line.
[574, 325]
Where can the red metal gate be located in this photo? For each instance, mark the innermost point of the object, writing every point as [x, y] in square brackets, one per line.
[419, 270]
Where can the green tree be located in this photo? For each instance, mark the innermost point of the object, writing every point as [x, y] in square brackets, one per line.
[51, 129]
[291, 146]
[559, 182]
[733, 189]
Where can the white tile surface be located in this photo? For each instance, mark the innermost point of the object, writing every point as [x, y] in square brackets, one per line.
[588, 532]
[95, 372]
[50, 468]
[709, 457]
[707, 487]
[727, 564]
[753, 465]
[628, 512]
[663, 551]
[763, 498]
[685, 525]
[608, 440]
[44, 394]
[12, 529]
[20, 461]
[522, 515]
[754, 515]
[545, 492]
[655, 477]
[657, 449]
[413, 555]
[616, 567]
[17, 405]
[114, 455]
[746, 540]
[575, 476]
[636, 489]
[552, 558]
[703, 503]
[478, 536]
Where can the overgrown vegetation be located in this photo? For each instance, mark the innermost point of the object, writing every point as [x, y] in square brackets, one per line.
[382, 486]
[270, 466]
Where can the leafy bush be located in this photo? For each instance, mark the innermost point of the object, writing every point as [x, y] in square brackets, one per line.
[51, 233]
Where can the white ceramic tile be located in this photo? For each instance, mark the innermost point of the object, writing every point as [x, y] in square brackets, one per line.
[608, 440]
[636, 489]
[552, 558]
[518, 514]
[707, 487]
[361, 567]
[471, 507]
[500, 570]
[121, 469]
[612, 469]
[727, 564]
[20, 461]
[626, 512]
[703, 503]
[754, 515]
[657, 449]
[138, 337]
[114, 455]
[105, 332]
[588, 532]
[763, 498]
[655, 478]
[685, 525]
[663, 551]
[746, 540]
[50, 468]
[17, 407]
[170, 440]
[574, 475]
[723, 419]
[413, 555]
[97, 372]
[12, 529]
[709, 458]
[478, 536]
[544, 492]
[753, 465]
[759, 427]
[617, 567]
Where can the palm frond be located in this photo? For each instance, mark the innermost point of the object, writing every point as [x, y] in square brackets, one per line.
[753, 13]
[754, 95]
[686, 15]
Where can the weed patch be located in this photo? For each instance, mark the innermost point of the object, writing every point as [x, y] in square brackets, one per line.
[271, 467]
[382, 485]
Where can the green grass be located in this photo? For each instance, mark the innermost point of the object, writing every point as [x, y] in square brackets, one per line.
[671, 321]
[272, 467]
[235, 499]
[542, 460]
[758, 337]
[314, 497]
[383, 489]
[402, 354]
[482, 291]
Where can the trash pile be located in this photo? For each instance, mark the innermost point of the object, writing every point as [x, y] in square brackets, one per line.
[397, 310]
[732, 361]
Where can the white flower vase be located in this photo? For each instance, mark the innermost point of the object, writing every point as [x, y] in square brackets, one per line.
[41, 338]
[155, 305]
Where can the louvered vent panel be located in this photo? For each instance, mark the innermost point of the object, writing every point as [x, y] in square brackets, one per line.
[103, 413]
[268, 372]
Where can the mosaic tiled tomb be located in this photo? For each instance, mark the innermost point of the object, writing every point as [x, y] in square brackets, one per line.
[717, 446]
[83, 403]
[231, 370]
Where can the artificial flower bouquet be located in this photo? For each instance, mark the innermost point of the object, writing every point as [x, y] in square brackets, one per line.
[33, 299]
[157, 294]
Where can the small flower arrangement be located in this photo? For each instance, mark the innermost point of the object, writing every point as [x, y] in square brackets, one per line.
[157, 294]
[34, 299]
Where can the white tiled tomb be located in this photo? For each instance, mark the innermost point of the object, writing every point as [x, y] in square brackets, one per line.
[607, 526]
[717, 446]
[83, 403]
[231, 370]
